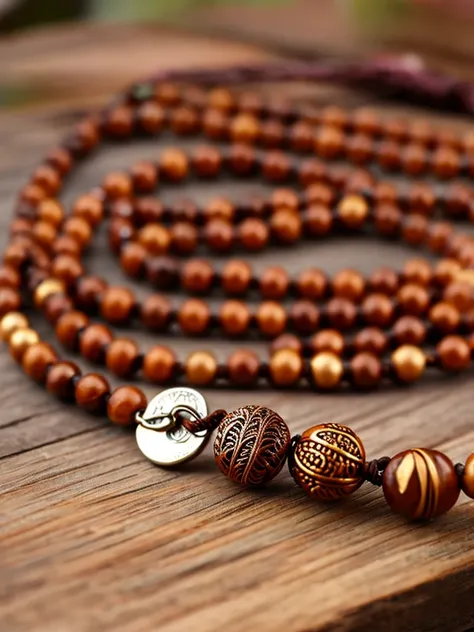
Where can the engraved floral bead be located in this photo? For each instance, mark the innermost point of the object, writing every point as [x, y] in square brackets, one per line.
[328, 461]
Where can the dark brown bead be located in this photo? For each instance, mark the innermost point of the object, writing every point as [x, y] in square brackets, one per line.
[124, 403]
[414, 159]
[341, 313]
[119, 122]
[409, 330]
[327, 462]
[36, 360]
[243, 367]
[460, 294]
[9, 277]
[328, 340]
[184, 120]
[151, 117]
[117, 304]
[147, 210]
[144, 176]
[454, 353]
[304, 317]
[60, 379]
[266, 438]
[276, 166]
[194, 316]
[60, 159]
[234, 317]
[159, 364]
[206, 161]
[377, 310]
[420, 484]
[57, 305]
[388, 155]
[121, 357]
[94, 341]
[371, 340]
[286, 341]
[197, 276]
[219, 208]
[46, 177]
[92, 391]
[156, 312]
[384, 281]
[241, 160]
[274, 283]
[272, 134]
[67, 268]
[283, 198]
[88, 292]
[366, 370]
[312, 171]
[162, 272]
[388, 219]
[415, 229]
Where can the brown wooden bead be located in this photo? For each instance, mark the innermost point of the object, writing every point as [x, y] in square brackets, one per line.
[326, 370]
[156, 312]
[10, 323]
[37, 359]
[201, 368]
[253, 234]
[234, 317]
[366, 370]
[371, 340]
[311, 284]
[408, 362]
[420, 484]
[79, 229]
[341, 313]
[155, 238]
[159, 364]
[219, 235]
[251, 445]
[60, 379]
[285, 367]
[144, 177]
[10, 300]
[119, 121]
[235, 277]
[9, 277]
[56, 306]
[328, 462]
[274, 283]
[317, 220]
[68, 327]
[46, 177]
[151, 117]
[413, 299]
[173, 165]
[454, 353]
[377, 310]
[348, 284]
[91, 393]
[162, 272]
[67, 269]
[90, 208]
[194, 316]
[124, 403]
[445, 317]
[271, 318]
[460, 294]
[243, 367]
[197, 276]
[417, 271]
[467, 478]
[286, 341]
[409, 330]
[93, 342]
[50, 211]
[132, 259]
[121, 357]
[304, 316]
[184, 238]
[117, 304]
[328, 340]
[286, 226]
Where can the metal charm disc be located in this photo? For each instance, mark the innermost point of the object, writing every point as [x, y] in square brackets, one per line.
[169, 445]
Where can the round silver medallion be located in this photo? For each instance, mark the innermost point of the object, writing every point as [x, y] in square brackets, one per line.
[170, 444]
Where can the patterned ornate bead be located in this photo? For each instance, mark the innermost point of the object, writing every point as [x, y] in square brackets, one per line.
[328, 461]
[420, 484]
[251, 445]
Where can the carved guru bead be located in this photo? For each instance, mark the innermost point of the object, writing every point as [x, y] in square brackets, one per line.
[251, 445]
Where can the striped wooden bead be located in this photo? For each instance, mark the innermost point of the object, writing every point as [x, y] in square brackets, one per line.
[420, 484]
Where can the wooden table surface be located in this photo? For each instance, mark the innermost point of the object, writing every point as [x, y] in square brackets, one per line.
[95, 538]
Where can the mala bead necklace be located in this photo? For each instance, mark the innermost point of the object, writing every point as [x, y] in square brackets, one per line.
[340, 332]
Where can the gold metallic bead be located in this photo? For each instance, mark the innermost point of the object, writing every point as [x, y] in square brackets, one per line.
[46, 288]
[352, 210]
[20, 340]
[326, 369]
[327, 461]
[409, 362]
[10, 323]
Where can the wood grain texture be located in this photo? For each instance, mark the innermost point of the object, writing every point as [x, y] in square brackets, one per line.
[93, 537]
